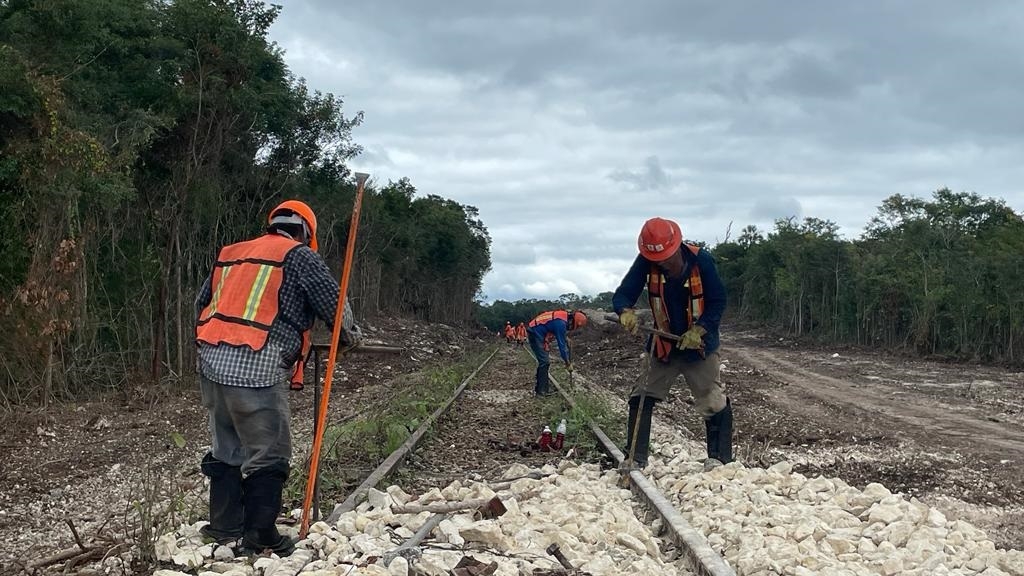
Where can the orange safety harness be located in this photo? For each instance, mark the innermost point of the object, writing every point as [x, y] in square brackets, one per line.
[246, 281]
[655, 290]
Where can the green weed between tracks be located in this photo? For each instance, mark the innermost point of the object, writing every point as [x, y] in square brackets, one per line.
[588, 407]
[352, 449]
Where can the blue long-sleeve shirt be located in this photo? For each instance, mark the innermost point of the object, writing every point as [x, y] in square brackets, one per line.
[557, 328]
[677, 297]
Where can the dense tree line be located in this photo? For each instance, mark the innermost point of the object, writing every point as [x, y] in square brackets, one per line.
[138, 136]
[941, 276]
[495, 314]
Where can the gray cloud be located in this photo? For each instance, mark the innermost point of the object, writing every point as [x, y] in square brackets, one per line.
[568, 124]
[513, 254]
[771, 209]
[651, 177]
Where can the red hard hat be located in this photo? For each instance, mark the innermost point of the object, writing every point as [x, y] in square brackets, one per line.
[304, 211]
[659, 239]
[579, 319]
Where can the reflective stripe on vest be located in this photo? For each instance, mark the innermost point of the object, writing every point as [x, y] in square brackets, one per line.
[246, 283]
[655, 289]
[545, 317]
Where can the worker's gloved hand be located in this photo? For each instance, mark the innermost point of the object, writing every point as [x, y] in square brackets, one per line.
[629, 320]
[692, 339]
[569, 367]
[296, 386]
[350, 337]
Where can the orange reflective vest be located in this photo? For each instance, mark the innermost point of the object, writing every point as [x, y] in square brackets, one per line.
[521, 331]
[545, 317]
[655, 288]
[246, 281]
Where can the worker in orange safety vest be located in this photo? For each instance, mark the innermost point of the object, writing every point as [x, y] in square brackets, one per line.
[254, 311]
[554, 324]
[521, 334]
[687, 298]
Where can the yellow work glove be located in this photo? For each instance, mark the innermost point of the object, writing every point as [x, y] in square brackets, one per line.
[629, 320]
[692, 339]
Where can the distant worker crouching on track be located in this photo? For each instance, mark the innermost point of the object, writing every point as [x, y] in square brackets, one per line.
[687, 298]
[260, 298]
[521, 334]
[556, 324]
[510, 332]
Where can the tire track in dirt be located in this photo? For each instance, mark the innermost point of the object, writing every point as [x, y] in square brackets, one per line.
[923, 418]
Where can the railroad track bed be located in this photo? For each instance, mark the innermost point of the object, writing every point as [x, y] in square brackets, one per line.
[481, 449]
[767, 521]
[774, 521]
[476, 498]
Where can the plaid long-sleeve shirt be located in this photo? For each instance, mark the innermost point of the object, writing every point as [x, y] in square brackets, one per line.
[308, 291]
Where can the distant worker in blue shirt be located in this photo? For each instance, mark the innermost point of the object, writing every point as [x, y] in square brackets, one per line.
[553, 324]
[687, 299]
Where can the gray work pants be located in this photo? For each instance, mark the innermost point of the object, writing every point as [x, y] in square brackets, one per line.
[249, 427]
[702, 376]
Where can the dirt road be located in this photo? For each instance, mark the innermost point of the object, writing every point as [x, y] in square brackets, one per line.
[953, 422]
[952, 435]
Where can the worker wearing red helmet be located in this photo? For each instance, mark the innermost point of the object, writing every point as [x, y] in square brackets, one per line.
[253, 309]
[552, 324]
[687, 298]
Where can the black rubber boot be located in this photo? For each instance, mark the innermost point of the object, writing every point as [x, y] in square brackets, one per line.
[262, 495]
[719, 432]
[643, 437]
[225, 524]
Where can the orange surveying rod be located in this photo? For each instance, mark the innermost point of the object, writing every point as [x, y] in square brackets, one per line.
[339, 315]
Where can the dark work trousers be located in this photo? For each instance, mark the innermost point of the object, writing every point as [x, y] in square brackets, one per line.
[249, 427]
[543, 361]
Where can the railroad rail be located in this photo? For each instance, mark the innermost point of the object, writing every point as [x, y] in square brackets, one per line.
[395, 458]
[694, 548]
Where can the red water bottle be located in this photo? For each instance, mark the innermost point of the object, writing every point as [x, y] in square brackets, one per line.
[545, 440]
[560, 435]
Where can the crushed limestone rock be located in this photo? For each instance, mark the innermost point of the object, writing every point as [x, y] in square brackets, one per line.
[774, 521]
[580, 508]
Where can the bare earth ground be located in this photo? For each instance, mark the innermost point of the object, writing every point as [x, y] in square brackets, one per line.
[494, 424]
[88, 462]
[949, 434]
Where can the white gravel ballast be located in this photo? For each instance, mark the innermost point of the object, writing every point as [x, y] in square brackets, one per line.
[776, 521]
[580, 508]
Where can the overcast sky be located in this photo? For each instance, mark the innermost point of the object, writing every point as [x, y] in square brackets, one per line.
[570, 123]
